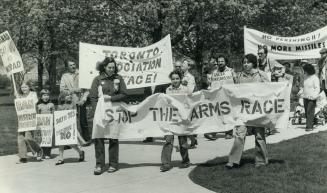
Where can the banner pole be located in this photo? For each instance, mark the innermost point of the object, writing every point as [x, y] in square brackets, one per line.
[14, 85]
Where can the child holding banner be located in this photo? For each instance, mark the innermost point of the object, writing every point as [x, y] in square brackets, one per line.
[69, 105]
[249, 74]
[175, 88]
[25, 137]
[45, 106]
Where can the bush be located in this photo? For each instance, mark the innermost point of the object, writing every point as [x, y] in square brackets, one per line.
[4, 81]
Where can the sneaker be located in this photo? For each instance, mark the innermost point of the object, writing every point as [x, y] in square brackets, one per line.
[112, 169]
[22, 161]
[60, 162]
[232, 165]
[46, 157]
[185, 165]
[165, 168]
[97, 170]
[309, 129]
[210, 136]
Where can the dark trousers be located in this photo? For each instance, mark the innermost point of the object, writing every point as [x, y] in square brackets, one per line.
[100, 155]
[309, 109]
[82, 117]
[167, 149]
[46, 151]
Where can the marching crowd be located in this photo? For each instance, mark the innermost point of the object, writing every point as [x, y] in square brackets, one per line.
[110, 85]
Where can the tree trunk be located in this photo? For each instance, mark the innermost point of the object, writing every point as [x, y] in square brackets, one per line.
[52, 61]
[40, 65]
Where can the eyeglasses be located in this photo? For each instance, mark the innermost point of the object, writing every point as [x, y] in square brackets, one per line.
[260, 53]
[177, 66]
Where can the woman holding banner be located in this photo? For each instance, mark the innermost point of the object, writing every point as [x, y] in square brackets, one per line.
[112, 87]
[249, 74]
[25, 139]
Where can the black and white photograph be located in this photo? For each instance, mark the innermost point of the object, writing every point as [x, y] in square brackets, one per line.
[185, 96]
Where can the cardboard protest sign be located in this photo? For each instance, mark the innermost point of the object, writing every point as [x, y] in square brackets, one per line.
[140, 67]
[217, 78]
[9, 54]
[65, 127]
[252, 104]
[298, 47]
[26, 114]
[44, 129]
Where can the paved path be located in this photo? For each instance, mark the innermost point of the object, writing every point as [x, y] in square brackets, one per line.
[139, 171]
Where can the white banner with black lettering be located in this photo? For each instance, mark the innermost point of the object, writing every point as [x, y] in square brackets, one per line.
[26, 114]
[10, 56]
[65, 127]
[140, 67]
[44, 130]
[252, 104]
[298, 47]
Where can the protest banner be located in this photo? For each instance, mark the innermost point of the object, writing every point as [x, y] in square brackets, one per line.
[298, 47]
[140, 67]
[44, 129]
[26, 114]
[65, 127]
[9, 54]
[251, 104]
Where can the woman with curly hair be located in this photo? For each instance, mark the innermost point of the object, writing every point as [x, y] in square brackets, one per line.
[113, 88]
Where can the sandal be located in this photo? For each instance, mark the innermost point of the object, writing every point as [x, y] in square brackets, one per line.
[60, 162]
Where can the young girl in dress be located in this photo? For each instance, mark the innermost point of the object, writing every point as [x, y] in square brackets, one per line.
[45, 106]
[69, 105]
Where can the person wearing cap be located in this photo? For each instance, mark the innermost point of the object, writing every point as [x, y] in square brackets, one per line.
[279, 74]
[322, 64]
[69, 85]
[45, 106]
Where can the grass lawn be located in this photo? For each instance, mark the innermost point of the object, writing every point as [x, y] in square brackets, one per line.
[8, 124]
[296, 166]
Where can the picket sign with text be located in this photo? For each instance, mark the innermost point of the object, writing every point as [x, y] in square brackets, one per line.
[251, 104]
[65, 127]
[44, 129]
[140, 67]
[9, 54]
[298, 47]
[26, 114]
